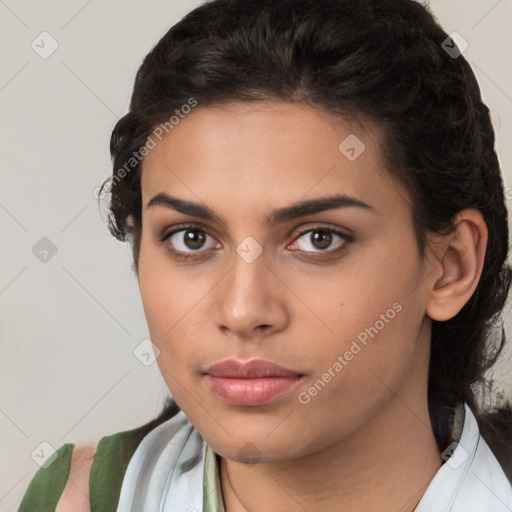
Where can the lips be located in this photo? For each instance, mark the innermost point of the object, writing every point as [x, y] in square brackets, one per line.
[254, 369]
[252, 383]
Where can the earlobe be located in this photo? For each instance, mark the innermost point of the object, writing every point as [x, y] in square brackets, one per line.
[462, 259]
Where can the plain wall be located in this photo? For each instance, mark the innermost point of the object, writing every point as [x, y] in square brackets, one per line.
[68, 326]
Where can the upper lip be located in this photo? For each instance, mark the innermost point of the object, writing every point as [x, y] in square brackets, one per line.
[233, 368]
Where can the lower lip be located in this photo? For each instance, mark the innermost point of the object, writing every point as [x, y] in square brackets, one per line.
[251, 391]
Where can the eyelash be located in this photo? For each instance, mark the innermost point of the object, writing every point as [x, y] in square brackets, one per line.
[190, 227]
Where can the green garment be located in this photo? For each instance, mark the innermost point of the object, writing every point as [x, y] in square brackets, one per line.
[109, 466]
[212, 493]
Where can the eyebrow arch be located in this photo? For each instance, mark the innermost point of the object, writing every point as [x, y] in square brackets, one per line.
[300, 209]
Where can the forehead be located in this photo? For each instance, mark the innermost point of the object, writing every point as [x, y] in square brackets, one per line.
[256, 154]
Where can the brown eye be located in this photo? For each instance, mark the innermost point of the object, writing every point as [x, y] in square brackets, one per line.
[193, 239]
[187, 241]
[321, 239]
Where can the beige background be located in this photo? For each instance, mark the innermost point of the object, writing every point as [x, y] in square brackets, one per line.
[68, 327]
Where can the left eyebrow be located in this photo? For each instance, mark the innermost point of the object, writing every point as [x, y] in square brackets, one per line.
[280, 215]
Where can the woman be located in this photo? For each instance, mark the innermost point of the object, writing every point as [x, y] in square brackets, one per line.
[320, 237]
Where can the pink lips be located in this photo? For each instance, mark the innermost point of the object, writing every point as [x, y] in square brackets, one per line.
[254, 383]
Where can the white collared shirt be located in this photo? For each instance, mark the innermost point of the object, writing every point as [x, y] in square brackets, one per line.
[471, 480]
[168, 471]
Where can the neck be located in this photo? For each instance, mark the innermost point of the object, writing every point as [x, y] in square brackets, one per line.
[386, 465]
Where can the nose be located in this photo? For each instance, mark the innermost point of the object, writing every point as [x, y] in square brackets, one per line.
[250, 300]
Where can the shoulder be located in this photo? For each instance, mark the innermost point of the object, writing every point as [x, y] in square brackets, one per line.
[76, 492]
[45, 488]
[84, 477]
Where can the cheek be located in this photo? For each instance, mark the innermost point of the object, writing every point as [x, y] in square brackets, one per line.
[359, 373]
[160, 288]
[343, 301]
[172, 303]
[370, 318]
[159, 298]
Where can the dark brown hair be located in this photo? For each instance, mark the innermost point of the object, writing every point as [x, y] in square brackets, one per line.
[384, 61]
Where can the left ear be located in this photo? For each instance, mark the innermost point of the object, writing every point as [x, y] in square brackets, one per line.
[462, 259]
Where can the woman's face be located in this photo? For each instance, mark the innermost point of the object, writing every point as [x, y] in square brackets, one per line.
[344, 310]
